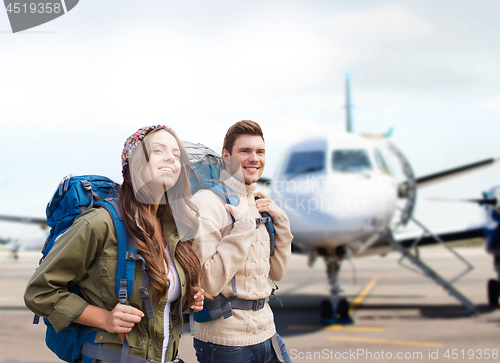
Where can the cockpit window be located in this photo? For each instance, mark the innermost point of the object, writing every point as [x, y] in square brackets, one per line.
[351, 160]
[305, 161]
[379, 159]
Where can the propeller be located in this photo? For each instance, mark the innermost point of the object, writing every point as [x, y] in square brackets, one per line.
[443, 175]
[483, 201]
[407, 189]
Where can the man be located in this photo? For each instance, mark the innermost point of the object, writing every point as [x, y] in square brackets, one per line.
[236, 258]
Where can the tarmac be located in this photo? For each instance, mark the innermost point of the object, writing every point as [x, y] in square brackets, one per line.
[398, 314]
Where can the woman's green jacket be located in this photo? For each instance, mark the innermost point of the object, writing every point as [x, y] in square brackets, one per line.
[86, 255]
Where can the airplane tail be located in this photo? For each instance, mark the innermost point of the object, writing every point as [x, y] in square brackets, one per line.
[348, 102]
[388, 134]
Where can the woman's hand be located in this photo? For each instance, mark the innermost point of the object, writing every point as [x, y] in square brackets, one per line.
[122, 319]
[198, 300]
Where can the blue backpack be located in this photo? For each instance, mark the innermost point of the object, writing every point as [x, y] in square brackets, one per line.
[206, 166]
[75, 195]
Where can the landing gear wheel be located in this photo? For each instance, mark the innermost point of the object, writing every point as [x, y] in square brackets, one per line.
[343, 309]
[493, 292]
[329, 316]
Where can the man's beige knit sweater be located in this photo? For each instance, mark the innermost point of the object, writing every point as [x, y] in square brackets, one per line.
[241, 250]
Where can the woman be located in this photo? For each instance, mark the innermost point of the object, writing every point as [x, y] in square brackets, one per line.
[159, 218]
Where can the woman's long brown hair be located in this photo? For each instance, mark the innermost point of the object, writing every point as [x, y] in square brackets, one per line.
[175, 206]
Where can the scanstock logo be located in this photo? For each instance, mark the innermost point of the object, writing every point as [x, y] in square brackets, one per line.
[29, 14]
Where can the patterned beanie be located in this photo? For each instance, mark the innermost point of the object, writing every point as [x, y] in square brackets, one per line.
[134, 140]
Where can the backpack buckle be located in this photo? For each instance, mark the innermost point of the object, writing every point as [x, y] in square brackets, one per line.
[262, 220]
[122, 292]
[86, 185]
[258, 304]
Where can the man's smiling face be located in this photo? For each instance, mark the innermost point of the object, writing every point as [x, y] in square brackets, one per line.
[247, 159]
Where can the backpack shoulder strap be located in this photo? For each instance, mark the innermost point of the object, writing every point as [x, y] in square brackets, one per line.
[127, 258]
[230, 196]
[124, 270]
[222, 190]
[269, 226]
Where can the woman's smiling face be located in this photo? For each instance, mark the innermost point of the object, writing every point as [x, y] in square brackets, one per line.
[164, 164]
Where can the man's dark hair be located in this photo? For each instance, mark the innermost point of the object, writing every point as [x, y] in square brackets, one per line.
[245, 127]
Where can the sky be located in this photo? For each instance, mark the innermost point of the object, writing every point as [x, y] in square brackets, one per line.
[72, 90]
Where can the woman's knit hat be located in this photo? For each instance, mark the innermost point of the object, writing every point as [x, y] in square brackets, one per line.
[133, 141]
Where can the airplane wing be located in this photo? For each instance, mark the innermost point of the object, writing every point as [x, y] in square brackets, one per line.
[31, 220]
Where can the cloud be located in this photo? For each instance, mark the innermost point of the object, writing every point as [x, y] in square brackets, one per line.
[210, 63]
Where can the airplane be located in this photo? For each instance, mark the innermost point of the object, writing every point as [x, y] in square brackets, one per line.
[4, 241]
[340, 197]
[14, 245]
[10, 245]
